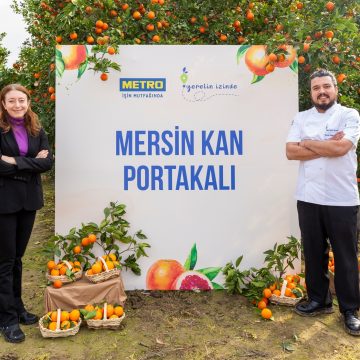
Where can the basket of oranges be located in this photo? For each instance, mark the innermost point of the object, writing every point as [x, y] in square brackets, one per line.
[107, 267]
[60, 323]
[289, 294]
[104, 317]
[65, 271]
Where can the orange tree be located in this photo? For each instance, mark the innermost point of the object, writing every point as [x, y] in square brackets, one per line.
[324, 33]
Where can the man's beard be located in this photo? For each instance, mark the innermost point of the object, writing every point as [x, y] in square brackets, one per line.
[323, 107]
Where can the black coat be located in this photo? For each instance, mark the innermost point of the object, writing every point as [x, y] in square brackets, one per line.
[20, 184]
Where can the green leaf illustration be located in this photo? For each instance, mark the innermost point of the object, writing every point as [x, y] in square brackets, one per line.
[241, 52]
[257, 78]
[210, 272]
[294, 66]
[191, 260]
[82, 68]
[217, 286]
[60, 65]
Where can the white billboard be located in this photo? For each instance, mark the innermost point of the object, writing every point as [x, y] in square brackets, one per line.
[192, 140]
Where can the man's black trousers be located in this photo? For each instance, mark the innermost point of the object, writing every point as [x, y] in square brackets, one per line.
[15, 231]
[319, 223]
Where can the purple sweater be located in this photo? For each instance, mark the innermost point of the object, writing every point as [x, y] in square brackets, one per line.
[20, 133]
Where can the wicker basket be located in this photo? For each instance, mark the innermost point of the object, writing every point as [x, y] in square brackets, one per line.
[64, 278]
[105, 275]
[284, 300]
[46, 333]
[105, 323]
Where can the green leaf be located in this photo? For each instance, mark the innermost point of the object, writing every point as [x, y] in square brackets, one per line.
[60, 65]
[57, 252]
[217, 286]
[241, 52]
[238, 260]
[288, 346]
[294, 66]
[210, 272]
[256, 78]
[90, 315]
[192, 259]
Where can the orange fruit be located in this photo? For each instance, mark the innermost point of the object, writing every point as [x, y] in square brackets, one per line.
[109, 311]
[54, 272]
[301, 59]
[96, 268]
[265, 300]
[329, 34]
[335, 60]
[266, 313]
[112, 257]
[330, 6]
[74, 315]
[73, 36]
[119, 311]
[340, 78]
[53, 316]
[223, 37]
[104, 77]
[162, 274]
[110, 265]
[92, 238]
[113, 13]
[98, 315]
[58, 39]
[136, 15]
[156, 38]
[277, 292]
[65, 325]
[272, 287]
[299, 5]
[64, 316]
[113, 316]
[52, 326]
[279, 27]
[289, 278]
[151, 15]
[110, 51]
[250, 15]
[261, 305]
[77, 249]
[89, 307]
[125, 6]
[291, 286]
[306, 47]
[51, 90]
[288, 292]
[77, 263]
[99, 24]
[272, 57]
[270, 67]
[62, 271]
[105, 26]
[267, 293]
[51, 264]
[90, 272]
[150, 27]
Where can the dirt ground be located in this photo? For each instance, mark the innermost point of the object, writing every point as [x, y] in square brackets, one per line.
[177, 325]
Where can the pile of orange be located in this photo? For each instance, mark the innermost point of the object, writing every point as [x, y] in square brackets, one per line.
[97, 312]
[98, 267]
[292, 287]
[57, 269]
[68, 320]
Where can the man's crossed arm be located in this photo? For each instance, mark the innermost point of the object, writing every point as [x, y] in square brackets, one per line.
[314, 149]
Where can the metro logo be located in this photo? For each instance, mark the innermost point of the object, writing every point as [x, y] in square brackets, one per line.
[143, 84]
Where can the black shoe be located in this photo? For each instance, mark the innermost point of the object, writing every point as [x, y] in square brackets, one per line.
[12, 333]
[351, 322]
[313, 308]
[27, 318]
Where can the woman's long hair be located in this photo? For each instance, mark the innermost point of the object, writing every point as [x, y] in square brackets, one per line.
[32, 123]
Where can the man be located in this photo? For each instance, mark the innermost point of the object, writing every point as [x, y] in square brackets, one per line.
[324, 139]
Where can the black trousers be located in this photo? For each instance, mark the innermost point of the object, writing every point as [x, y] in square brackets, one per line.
[319, 223]
[15, 231]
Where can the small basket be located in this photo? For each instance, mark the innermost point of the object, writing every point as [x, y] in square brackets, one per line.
[284, 300]
[46, 333]
[105, 323]
[64, 278]
[105, 275]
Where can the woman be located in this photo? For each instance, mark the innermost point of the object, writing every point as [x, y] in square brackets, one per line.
[24, 154]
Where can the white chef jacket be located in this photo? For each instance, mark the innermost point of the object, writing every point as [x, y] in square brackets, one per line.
[327, 180]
